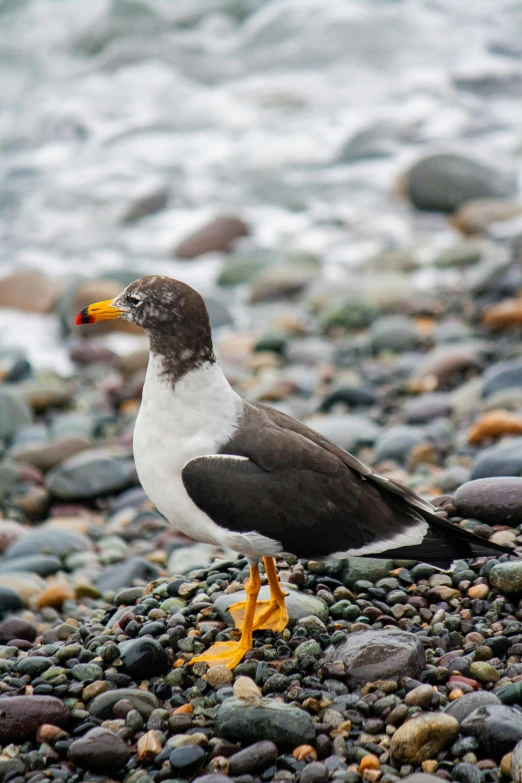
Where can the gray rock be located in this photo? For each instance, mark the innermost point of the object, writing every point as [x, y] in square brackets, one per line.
[48, 541]
[497, 727]
[453, 477]
[217, 236]
[218, 313]
[240, 269]
[394, 333]
[497, 501]
[147, 204]
[15, 414]
[298, 604]
[89, 474]
[21, 716]
[461, 708]
[497, 461]
[10, 601]
[396, 442]
[463, 254]
[369, 568]
[187, 558]
[143, 701]
[123, 575]
[442, 182]
[43, 565]
[502, 376]
[264, 719]
[378, 655]
[507, 577]
[255, 758]
[99, 750]
[428, 407]
[347, 431]
[516, 763]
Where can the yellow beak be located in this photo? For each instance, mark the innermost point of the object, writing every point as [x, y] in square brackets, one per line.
[99, 311]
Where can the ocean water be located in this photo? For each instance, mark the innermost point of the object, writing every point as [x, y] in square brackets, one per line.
[240, 107]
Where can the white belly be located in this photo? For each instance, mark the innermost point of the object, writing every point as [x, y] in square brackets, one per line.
[173, 427]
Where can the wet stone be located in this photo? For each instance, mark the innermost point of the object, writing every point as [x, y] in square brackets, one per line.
[497, 727]
[21, 716]
[143, 701]
[143, 658]
[378, 655]
[254, 758]
[10, 600]
[497, 501]
[423, 737]
[264, 719]
[99, 750]
[48, 541]
[187, 761]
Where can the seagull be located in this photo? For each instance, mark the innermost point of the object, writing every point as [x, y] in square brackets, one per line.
[248, 477]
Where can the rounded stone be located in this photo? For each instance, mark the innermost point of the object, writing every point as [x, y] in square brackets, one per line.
[254, 758]
[264, 719]
[495, 500]
[186, 761]
[99, 750]
[378, 655]
[497, 727]
[423, 737]
[443, 181]
[143, 657]
[21, 716]
[507, 577]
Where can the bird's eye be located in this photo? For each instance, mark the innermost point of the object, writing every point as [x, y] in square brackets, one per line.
[136, 301]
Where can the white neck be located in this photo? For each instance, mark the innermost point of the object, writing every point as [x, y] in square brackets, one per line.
[201, 401]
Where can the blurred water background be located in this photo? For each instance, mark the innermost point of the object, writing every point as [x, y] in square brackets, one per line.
[296, 115]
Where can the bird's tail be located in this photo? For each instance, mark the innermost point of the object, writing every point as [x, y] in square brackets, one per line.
[445, 542]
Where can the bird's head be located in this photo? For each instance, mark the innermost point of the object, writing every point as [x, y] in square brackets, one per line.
[172, 313]
[152, 302]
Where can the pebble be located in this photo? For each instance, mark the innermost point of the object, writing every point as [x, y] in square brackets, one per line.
[378, 655]
[21, 716]
[254, 758]
[10, 600]
[48, 542]
[187, 761]
[265, 719]
[217, 236]
[442, 182]
[99, 750]
[468, 703]
[91, 473]
[497, 727]
[143, 657]
[497, 501]
[423, 737]
[516, 763]
[507, 577]
[142, 701]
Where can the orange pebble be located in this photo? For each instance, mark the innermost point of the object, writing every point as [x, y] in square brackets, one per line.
[303, 752]
[369, 762]
[185, 708]
[504, 314]
[456, 693]
[55, 594]
[478, 591]
[493, 424]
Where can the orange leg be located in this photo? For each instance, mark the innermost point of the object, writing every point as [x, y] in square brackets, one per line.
[229, 654]
[269, 615]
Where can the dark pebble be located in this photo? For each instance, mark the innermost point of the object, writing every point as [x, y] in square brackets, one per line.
[99, 750]
[10, 601]
[143, 658]
[497, 727]
[254, 758]
[21, 716]
[16, 628]
[186, 761]
[314, 773]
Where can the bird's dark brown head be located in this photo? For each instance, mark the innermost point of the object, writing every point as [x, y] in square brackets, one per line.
[172, 313]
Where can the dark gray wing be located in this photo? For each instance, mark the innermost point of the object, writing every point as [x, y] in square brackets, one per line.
[297, 492]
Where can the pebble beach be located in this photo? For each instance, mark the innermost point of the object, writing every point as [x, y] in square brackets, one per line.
[350, 209]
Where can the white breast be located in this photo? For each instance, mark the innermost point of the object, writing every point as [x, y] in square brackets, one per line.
[175, 425]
